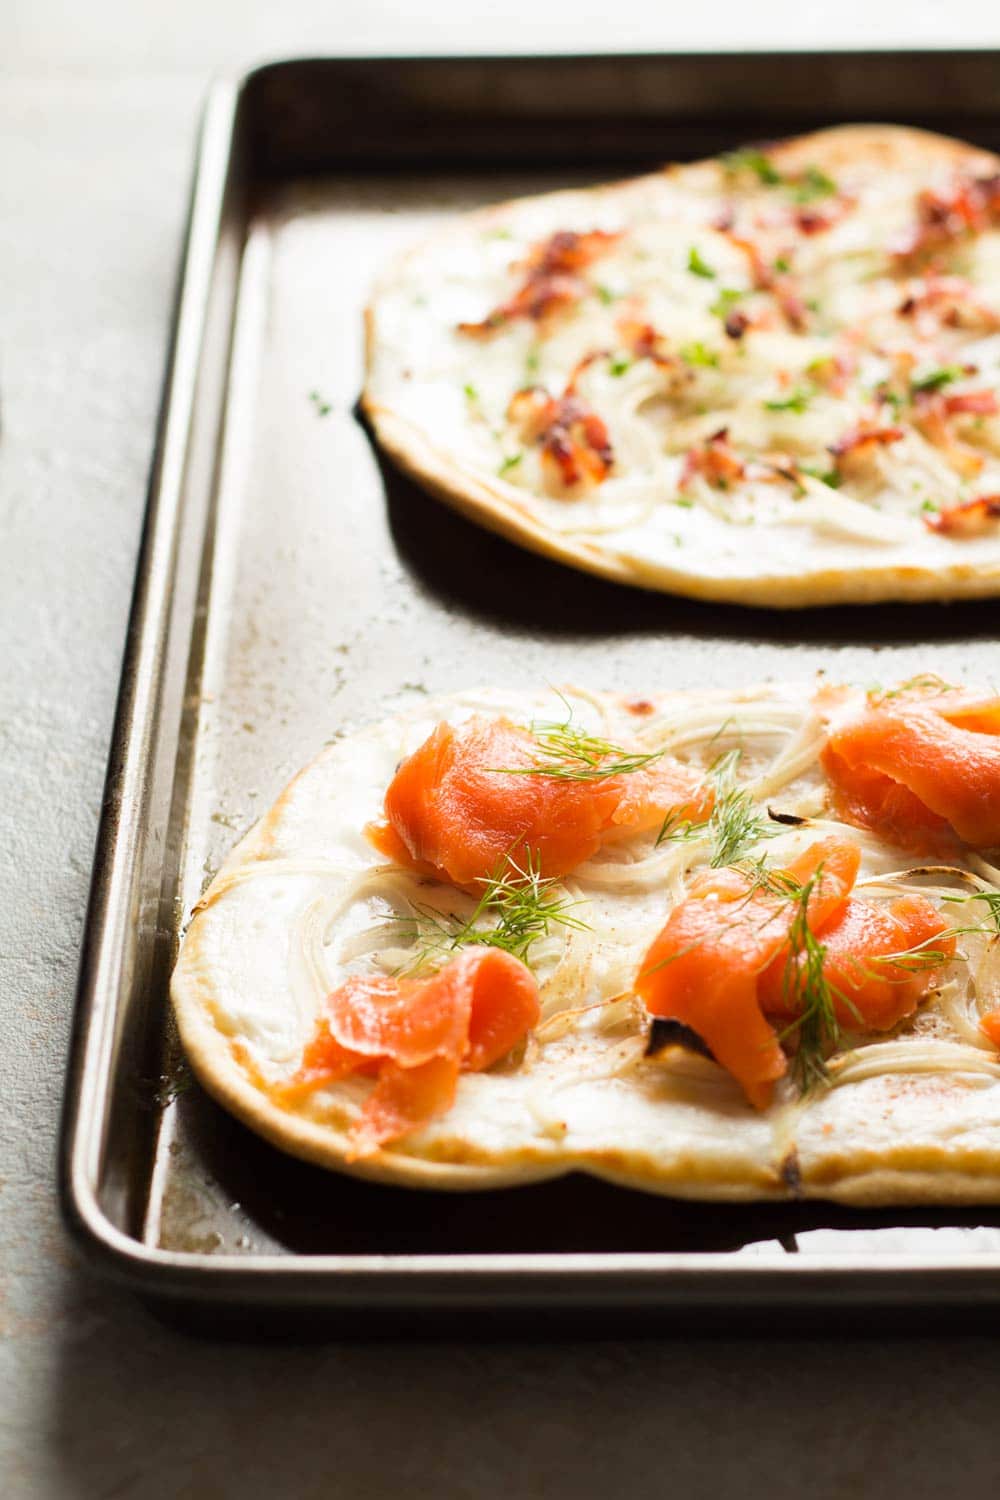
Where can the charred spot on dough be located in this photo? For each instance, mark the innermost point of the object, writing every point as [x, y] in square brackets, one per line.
[666, 1034]
[791, 1173]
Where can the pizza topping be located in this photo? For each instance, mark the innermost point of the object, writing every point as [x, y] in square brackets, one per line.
[751, 943]
[473, 798]
[417, 1036]
[920, 767]
[970, 205]
[553, 282]
[859, 446]
[576, 451]
[715, 460]
[934, 302]
[969, 518]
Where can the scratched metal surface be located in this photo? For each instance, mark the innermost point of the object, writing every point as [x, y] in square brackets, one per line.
[339, 592]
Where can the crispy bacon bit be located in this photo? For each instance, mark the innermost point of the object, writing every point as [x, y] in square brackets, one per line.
[568, 251]
[762, 275]
[932, 413]
[833, 373]
[971, 403]
[573, 439]
[935, 301]
[817, 221]
[643, 341]
[970, 518]
[715, 460]
[553, 279]
[972, 205]
[862, 442]
[766, 278]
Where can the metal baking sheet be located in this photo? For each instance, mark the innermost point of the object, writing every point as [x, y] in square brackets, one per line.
[292, 586]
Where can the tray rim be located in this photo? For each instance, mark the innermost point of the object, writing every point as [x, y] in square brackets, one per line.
[719, 1279]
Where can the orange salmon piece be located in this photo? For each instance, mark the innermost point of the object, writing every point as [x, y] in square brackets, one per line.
[990, 1027]
[920, 770]
[416, 1036]
[704, 967]
[869, 992]
[455, 812]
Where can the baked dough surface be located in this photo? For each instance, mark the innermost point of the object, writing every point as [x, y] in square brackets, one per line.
[303, 901]
[792, 531]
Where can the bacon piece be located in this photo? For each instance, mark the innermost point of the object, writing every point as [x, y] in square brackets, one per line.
[971, 403]
[971, 205]
[932, 418]
[833, 373]
[574, 440]
[860, 444]
[736, 324]
[553, 279]
[766, 278]
[715, 460]
[566, 250]
[644, 341]
[950, 301]
[970, 518]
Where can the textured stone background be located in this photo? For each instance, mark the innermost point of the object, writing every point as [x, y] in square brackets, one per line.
[98, 106]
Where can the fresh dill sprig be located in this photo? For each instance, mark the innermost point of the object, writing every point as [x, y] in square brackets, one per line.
[734, 825]
[992, 918]
[520, 904]
[807, 989]
[568, 753]
[924, 681]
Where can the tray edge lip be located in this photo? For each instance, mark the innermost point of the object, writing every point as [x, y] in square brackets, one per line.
[152, 1271]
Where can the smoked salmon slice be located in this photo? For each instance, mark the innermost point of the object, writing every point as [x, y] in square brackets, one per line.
[416, 1036]
[920, 767]
[476, 796]
[724, 961]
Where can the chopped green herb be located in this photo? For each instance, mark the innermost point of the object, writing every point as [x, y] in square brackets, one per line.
[782, 264]
[323, 407]
[825, 476]
[811, 184]
[568, 753]
[929, 505]
[470, 392]
[753, 161]
[697, 264]
[683, 502]
[934, 380]
[532, 361]
[510, 463]
[606, 295]
[521, 905]
[699, 354]
[797, 401]
[725, 302]
[619, 365]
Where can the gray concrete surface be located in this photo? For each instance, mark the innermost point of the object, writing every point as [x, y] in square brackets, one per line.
[97, 111]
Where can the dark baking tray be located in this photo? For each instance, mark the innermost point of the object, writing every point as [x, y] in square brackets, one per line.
[291, 585]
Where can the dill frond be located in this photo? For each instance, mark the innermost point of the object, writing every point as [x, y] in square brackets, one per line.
[807, 989]
[568, 753]
[516, 908]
